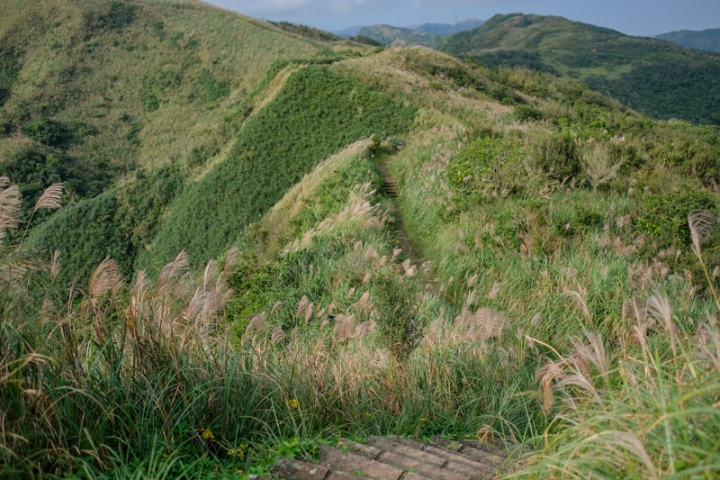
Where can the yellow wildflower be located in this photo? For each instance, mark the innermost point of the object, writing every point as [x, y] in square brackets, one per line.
[292, 403]
[207, 434]
[231, 452]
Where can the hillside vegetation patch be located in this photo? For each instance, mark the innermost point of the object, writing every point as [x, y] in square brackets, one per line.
[316, 113]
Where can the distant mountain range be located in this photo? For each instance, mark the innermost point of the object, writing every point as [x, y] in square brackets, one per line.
[446, 29]
[654, 76]
[424, 34]
[703, 40]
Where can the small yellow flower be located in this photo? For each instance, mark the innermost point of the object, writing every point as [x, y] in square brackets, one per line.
[341, 443]
[231, 452]
[207, 434]
[240, 471]
[292, 403]
[281, 422]
[423, 419]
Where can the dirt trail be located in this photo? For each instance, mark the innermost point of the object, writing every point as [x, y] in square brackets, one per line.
[409, 248]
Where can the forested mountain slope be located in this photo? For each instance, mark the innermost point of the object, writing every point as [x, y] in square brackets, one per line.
[649, 75]
[703, 40]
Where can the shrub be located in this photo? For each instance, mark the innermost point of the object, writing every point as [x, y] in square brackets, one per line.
[527, 112]
[213, 89]
[559, 156]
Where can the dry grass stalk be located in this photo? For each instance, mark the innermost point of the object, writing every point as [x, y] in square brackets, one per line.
[660, 307]
[549, 373]
[701, 223]
[582, 303]
[105, 278]
[257, 324]
[365, 329]
[344, 327]
[302, 306]
[10, 208]
[50, 199]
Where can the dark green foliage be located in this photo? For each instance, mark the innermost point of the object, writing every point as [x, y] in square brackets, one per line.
[212, 88]
[115, 224]
[52, 133]
[9, 68]
[85, 233]
[155, 85]
[367, 41]
[559, 156]
[34, 171]
[684, 87]
[515, 58]
[506, 95]
[664, 216]
[459, 76]
[120, 15]
[143, 201]
[316, 114]
[527, 112]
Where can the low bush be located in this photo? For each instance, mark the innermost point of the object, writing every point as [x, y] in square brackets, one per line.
[559, 156]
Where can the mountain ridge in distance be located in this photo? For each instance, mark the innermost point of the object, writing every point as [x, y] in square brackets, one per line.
[659, 78]
[708, 40]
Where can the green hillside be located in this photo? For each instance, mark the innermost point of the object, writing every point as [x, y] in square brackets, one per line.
[92, 90]
[703, 40]
[399, 37]
[366, 241]
[652, 76]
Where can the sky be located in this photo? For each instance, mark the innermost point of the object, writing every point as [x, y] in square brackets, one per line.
[633, 17]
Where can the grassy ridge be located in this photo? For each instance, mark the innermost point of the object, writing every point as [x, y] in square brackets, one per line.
[630, 69]
[314, 115]
[92, 90]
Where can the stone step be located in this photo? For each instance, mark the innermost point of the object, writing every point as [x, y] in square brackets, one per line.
[482, 457]
[367, 451]
[409, 464]
[296, 470]
[399, 458]
[408, 451]
[447, 454]
[335, 459]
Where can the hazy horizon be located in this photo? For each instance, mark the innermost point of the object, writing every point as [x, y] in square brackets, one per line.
[632, 17]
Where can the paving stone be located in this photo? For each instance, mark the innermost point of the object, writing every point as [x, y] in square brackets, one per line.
[418, 466]
[410, 442]
[481, 456]
[338, 475]
[290, 469]
[400, 449]
[367, 451]
[451, 456]
[477, 472]
[485, 447]
[355, 464]
[414, 476]
[447, 444]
